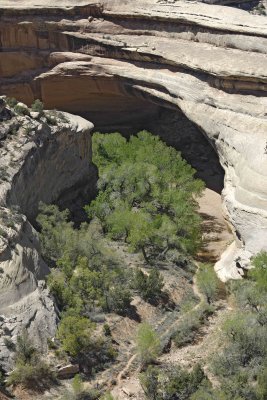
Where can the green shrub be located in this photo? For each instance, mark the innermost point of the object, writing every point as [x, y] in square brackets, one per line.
[240, 365]
[208, 282]
[26, 353]
[38, 375]
[30, 370]
[149, 285]
[4, 175]
[51, 119]
[119, 300]
[107, 396]
[107, 330]
[75, 332]
[171, 383]
[11, 102]
[37, 106]
[148, 344]
[187, 329]
[190, 324]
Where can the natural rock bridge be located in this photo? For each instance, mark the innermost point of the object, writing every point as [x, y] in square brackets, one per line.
[122, 64]
[195, 73]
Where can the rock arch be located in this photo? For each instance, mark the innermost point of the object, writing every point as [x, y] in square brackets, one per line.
[208, 62]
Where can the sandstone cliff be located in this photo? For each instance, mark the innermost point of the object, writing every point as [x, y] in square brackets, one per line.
[119, 63]
[38, 162]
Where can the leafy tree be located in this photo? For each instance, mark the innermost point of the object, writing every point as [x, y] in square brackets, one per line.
[147, 194]
[119, 300]
[75, 332]
[56, 232]
[148, 344]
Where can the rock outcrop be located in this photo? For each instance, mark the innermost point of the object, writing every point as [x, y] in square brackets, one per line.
[119, 63]
[43, 159]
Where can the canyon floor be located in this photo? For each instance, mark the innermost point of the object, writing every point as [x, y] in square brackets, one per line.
[216, 238]
[121, 378]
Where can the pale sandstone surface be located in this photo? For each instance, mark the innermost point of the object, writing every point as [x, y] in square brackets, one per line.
[45, 163]
[121, 62]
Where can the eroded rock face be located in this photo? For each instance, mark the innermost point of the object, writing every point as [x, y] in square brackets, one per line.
[119, 62]
[38, 162]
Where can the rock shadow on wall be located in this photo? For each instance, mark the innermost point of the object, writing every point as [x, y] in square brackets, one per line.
[179, 132]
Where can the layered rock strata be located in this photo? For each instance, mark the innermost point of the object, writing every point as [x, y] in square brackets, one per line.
[119, 62]
[38, 162]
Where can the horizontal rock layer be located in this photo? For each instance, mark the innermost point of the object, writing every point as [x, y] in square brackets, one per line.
[118, 63]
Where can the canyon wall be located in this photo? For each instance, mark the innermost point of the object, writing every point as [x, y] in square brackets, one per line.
[38, 162]
[119, 62]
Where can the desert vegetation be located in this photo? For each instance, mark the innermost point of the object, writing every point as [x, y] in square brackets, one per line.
[146, 204]
[146, 200]
[147, 195]
[31, 370]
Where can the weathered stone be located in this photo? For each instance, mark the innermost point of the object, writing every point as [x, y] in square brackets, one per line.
[35, 114]
[68, 371]
[35, 174]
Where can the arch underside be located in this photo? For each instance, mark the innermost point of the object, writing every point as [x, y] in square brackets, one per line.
[191, 72]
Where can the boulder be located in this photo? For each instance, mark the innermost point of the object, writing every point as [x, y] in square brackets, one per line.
[68, 371]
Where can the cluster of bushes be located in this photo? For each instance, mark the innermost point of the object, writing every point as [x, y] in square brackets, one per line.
[87, 274]
[150, 285]
[172, 383]
[86, 278]
[147, 197]
[190, 324]
[21, 109]
[241, 365]
[79, 392]
[30, 370]
[192, 319]
[147, 194]
[52, 117]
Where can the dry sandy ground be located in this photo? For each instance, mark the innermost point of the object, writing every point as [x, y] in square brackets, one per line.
[216, 233]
